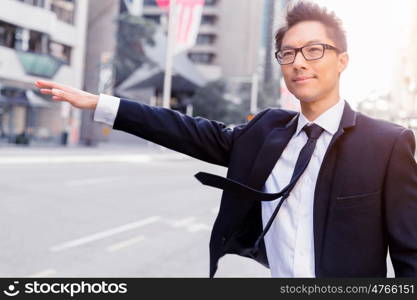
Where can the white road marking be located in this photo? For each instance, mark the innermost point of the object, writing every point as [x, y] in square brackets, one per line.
[181, 223]
[104, 234]
[125, 244]
[198, 227]
[189, 224]
[45, 273]
[92, 181]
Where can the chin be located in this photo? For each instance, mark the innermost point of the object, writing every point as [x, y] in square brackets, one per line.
[305, 97]
[302, 93]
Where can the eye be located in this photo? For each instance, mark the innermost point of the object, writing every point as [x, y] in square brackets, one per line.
[314, 49]
[286, 53]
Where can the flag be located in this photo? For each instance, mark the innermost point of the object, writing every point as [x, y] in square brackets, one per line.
[164, 4]
[188, 18]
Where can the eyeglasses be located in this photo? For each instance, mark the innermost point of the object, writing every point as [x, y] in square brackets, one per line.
[310, 52]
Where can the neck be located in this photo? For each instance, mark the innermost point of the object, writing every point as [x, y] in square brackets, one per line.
[312, 110]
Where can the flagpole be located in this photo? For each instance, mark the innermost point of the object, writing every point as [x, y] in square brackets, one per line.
[169, 54]
[254, 94]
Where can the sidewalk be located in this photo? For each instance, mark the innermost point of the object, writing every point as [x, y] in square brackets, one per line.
[78, 154]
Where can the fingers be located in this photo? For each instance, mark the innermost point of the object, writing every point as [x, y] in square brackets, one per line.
[56, 94]
[46, 91]
[61, 94]
[56, 98]
[52, 92]
[44, 84]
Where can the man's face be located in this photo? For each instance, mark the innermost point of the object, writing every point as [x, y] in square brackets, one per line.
[315, 80]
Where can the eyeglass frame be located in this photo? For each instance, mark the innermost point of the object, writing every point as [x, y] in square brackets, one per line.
[300, 49]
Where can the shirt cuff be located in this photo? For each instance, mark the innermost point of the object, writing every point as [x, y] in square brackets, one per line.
[106, 110]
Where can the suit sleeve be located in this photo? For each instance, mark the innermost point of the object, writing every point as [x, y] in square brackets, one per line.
[207, 140]
[401, 205]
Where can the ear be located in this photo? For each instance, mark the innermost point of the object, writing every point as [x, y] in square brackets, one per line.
[343, 60]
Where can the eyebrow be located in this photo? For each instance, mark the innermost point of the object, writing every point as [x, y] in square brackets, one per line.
[308, 43]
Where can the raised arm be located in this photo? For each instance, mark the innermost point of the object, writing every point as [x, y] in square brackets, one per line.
[203, 139]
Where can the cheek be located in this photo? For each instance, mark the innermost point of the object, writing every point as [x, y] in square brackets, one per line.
[327, 74]
[287, 76]
[329, 71]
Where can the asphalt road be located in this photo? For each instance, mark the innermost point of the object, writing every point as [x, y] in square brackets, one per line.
[109, 212]
[113, 212]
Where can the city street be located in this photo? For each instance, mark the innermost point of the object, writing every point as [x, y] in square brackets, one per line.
[121, 206]
[114, 211]
[108, 212]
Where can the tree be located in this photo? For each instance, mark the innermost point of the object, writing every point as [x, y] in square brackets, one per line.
[133, 32]
[208, 102]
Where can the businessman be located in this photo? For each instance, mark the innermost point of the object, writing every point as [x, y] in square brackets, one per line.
[320, 193]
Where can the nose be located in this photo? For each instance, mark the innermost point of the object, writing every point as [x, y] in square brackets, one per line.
[299, 61]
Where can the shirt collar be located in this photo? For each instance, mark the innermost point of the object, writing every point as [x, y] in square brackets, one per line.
[329, 120]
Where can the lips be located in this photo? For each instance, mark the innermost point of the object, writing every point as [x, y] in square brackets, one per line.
[302, 78]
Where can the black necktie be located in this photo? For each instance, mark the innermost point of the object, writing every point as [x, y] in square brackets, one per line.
[313, 132]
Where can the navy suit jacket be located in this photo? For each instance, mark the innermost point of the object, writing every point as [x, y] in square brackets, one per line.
[365, 198]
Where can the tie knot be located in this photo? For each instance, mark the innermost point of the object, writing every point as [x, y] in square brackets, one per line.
[313, 131]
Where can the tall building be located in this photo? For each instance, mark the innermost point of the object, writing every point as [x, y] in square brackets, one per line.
[229, 37]
[100, 49]
[227, 48]
[40, 39]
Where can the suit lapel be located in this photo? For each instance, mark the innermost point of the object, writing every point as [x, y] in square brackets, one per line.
[270, 152]
[324, 182]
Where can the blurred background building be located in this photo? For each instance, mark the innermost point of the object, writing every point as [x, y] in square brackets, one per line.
[402, 103]
[118, 47]
[217, 73]
[40, 39]
[228, 40]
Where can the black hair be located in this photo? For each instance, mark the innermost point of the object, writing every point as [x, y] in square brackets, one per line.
[308, 11]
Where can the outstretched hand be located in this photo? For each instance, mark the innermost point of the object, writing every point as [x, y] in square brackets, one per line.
[61, 92]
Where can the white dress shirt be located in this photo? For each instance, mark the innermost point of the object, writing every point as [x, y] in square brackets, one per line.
[290, 240]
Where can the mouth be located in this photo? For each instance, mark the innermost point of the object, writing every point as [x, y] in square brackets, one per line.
[302, 79]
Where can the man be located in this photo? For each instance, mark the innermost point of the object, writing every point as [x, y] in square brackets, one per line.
[321, 193]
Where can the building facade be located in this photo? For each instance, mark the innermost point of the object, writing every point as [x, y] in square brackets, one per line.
[100, 49]
[40, 39]
[229, 37]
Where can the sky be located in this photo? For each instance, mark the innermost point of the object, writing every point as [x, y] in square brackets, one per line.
[376, 31]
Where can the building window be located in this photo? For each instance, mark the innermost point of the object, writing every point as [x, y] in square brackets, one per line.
[206, 39]
[37, 42]
[208, 20]
[22, 39]
[39, 3]
[150, 2]
[64, 10]
[7, 34]
[210, 2]
[60, 51]
[11, 92]
[154, 18]
[32, 41]
[202, 58]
